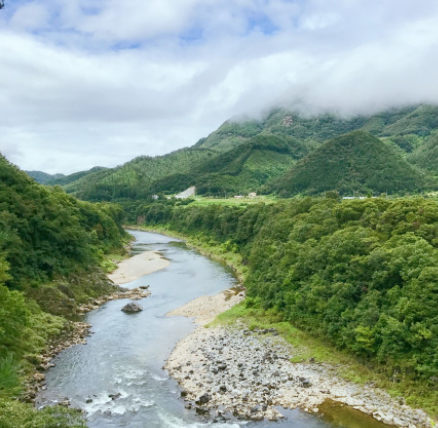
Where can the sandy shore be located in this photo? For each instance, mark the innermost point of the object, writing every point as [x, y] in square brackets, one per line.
[205, 309]
[138, 266]
[235, 372]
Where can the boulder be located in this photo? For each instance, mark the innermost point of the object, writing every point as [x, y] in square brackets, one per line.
[132, 308]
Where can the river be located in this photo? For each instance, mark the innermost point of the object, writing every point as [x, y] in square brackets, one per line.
[125, 353]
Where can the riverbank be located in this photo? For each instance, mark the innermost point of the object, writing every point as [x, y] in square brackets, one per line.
[234, 371]
[76, 333]
[231, 259]
[137, 266]
[418, 394]
[73, 333]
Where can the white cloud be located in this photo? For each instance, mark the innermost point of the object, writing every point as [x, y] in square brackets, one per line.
[97, 82]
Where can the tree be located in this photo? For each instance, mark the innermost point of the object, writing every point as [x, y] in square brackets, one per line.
[2, 4]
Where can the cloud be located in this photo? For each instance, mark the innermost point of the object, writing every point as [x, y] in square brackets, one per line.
[99, 82]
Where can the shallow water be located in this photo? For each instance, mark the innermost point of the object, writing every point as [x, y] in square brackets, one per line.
[125, 353]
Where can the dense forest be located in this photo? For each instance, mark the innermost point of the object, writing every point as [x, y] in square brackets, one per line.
[230, 160]
[355, 162]
[240, 170]
[52, 247]
[360, 273]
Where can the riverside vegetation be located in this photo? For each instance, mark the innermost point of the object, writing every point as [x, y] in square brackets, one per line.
[359, 276]
[52, 252]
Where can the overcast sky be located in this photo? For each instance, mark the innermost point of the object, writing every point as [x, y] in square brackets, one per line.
[98, 82]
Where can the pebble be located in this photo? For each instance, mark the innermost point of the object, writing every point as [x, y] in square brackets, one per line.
[248, 373]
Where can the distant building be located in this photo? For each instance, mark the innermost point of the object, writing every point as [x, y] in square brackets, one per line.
[155, 197]
[238, 197]
[252, 195]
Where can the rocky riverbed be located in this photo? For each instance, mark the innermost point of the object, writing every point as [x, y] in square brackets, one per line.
[227, 372]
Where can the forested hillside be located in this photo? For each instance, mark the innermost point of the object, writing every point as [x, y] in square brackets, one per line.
[314, 129]
[240, 170]
[134, 180]
[43, 177]
[426, 155]
[361, 274]
[217, 164]
[51, 249]
[354, 162]
[67, 179]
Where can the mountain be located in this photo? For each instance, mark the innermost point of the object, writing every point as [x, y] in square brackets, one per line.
[354, 162]
[207, 165]
[426, 155]
[134, 179]
[243, 169]
[63, 180]
[42, 177]
[315, 129]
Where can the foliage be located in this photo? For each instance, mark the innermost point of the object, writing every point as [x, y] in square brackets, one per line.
[240, 170]
[17, 415]
[134, 180]
[355, 162]
[426, 154]
[49, 233]
[361, 273]
[45, 235]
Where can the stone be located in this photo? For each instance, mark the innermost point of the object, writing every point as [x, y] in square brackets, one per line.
[132, 308]
[204, 399]
[115, 396]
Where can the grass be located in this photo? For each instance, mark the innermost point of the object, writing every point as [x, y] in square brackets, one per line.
[232, 201]
[10, 380]
[110, 261]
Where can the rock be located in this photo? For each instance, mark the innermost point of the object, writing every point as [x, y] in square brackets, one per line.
[204, 399]
[64, 403]
[89, 401]
[39, 377]
[183, 393]
[115, 396]
[201, 411]
[132, 308]
[144, 287]
[305, 383]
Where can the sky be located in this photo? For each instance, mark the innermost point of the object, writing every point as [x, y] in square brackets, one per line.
[99, 82]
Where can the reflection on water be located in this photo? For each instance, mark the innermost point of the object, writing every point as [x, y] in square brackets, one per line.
[117, 378]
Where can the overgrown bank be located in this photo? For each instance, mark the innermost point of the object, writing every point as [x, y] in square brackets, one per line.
[52, 251]
[358, 275]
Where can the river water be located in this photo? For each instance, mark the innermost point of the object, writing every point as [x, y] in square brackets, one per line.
[125, 353]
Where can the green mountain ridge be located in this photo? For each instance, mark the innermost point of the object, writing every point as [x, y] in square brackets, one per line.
[407, 131]
[43, 177]
[354, 162]
[243, 169]
[67, 179]
[134, 179]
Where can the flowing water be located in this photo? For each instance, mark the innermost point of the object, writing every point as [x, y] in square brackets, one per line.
[125, 353]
